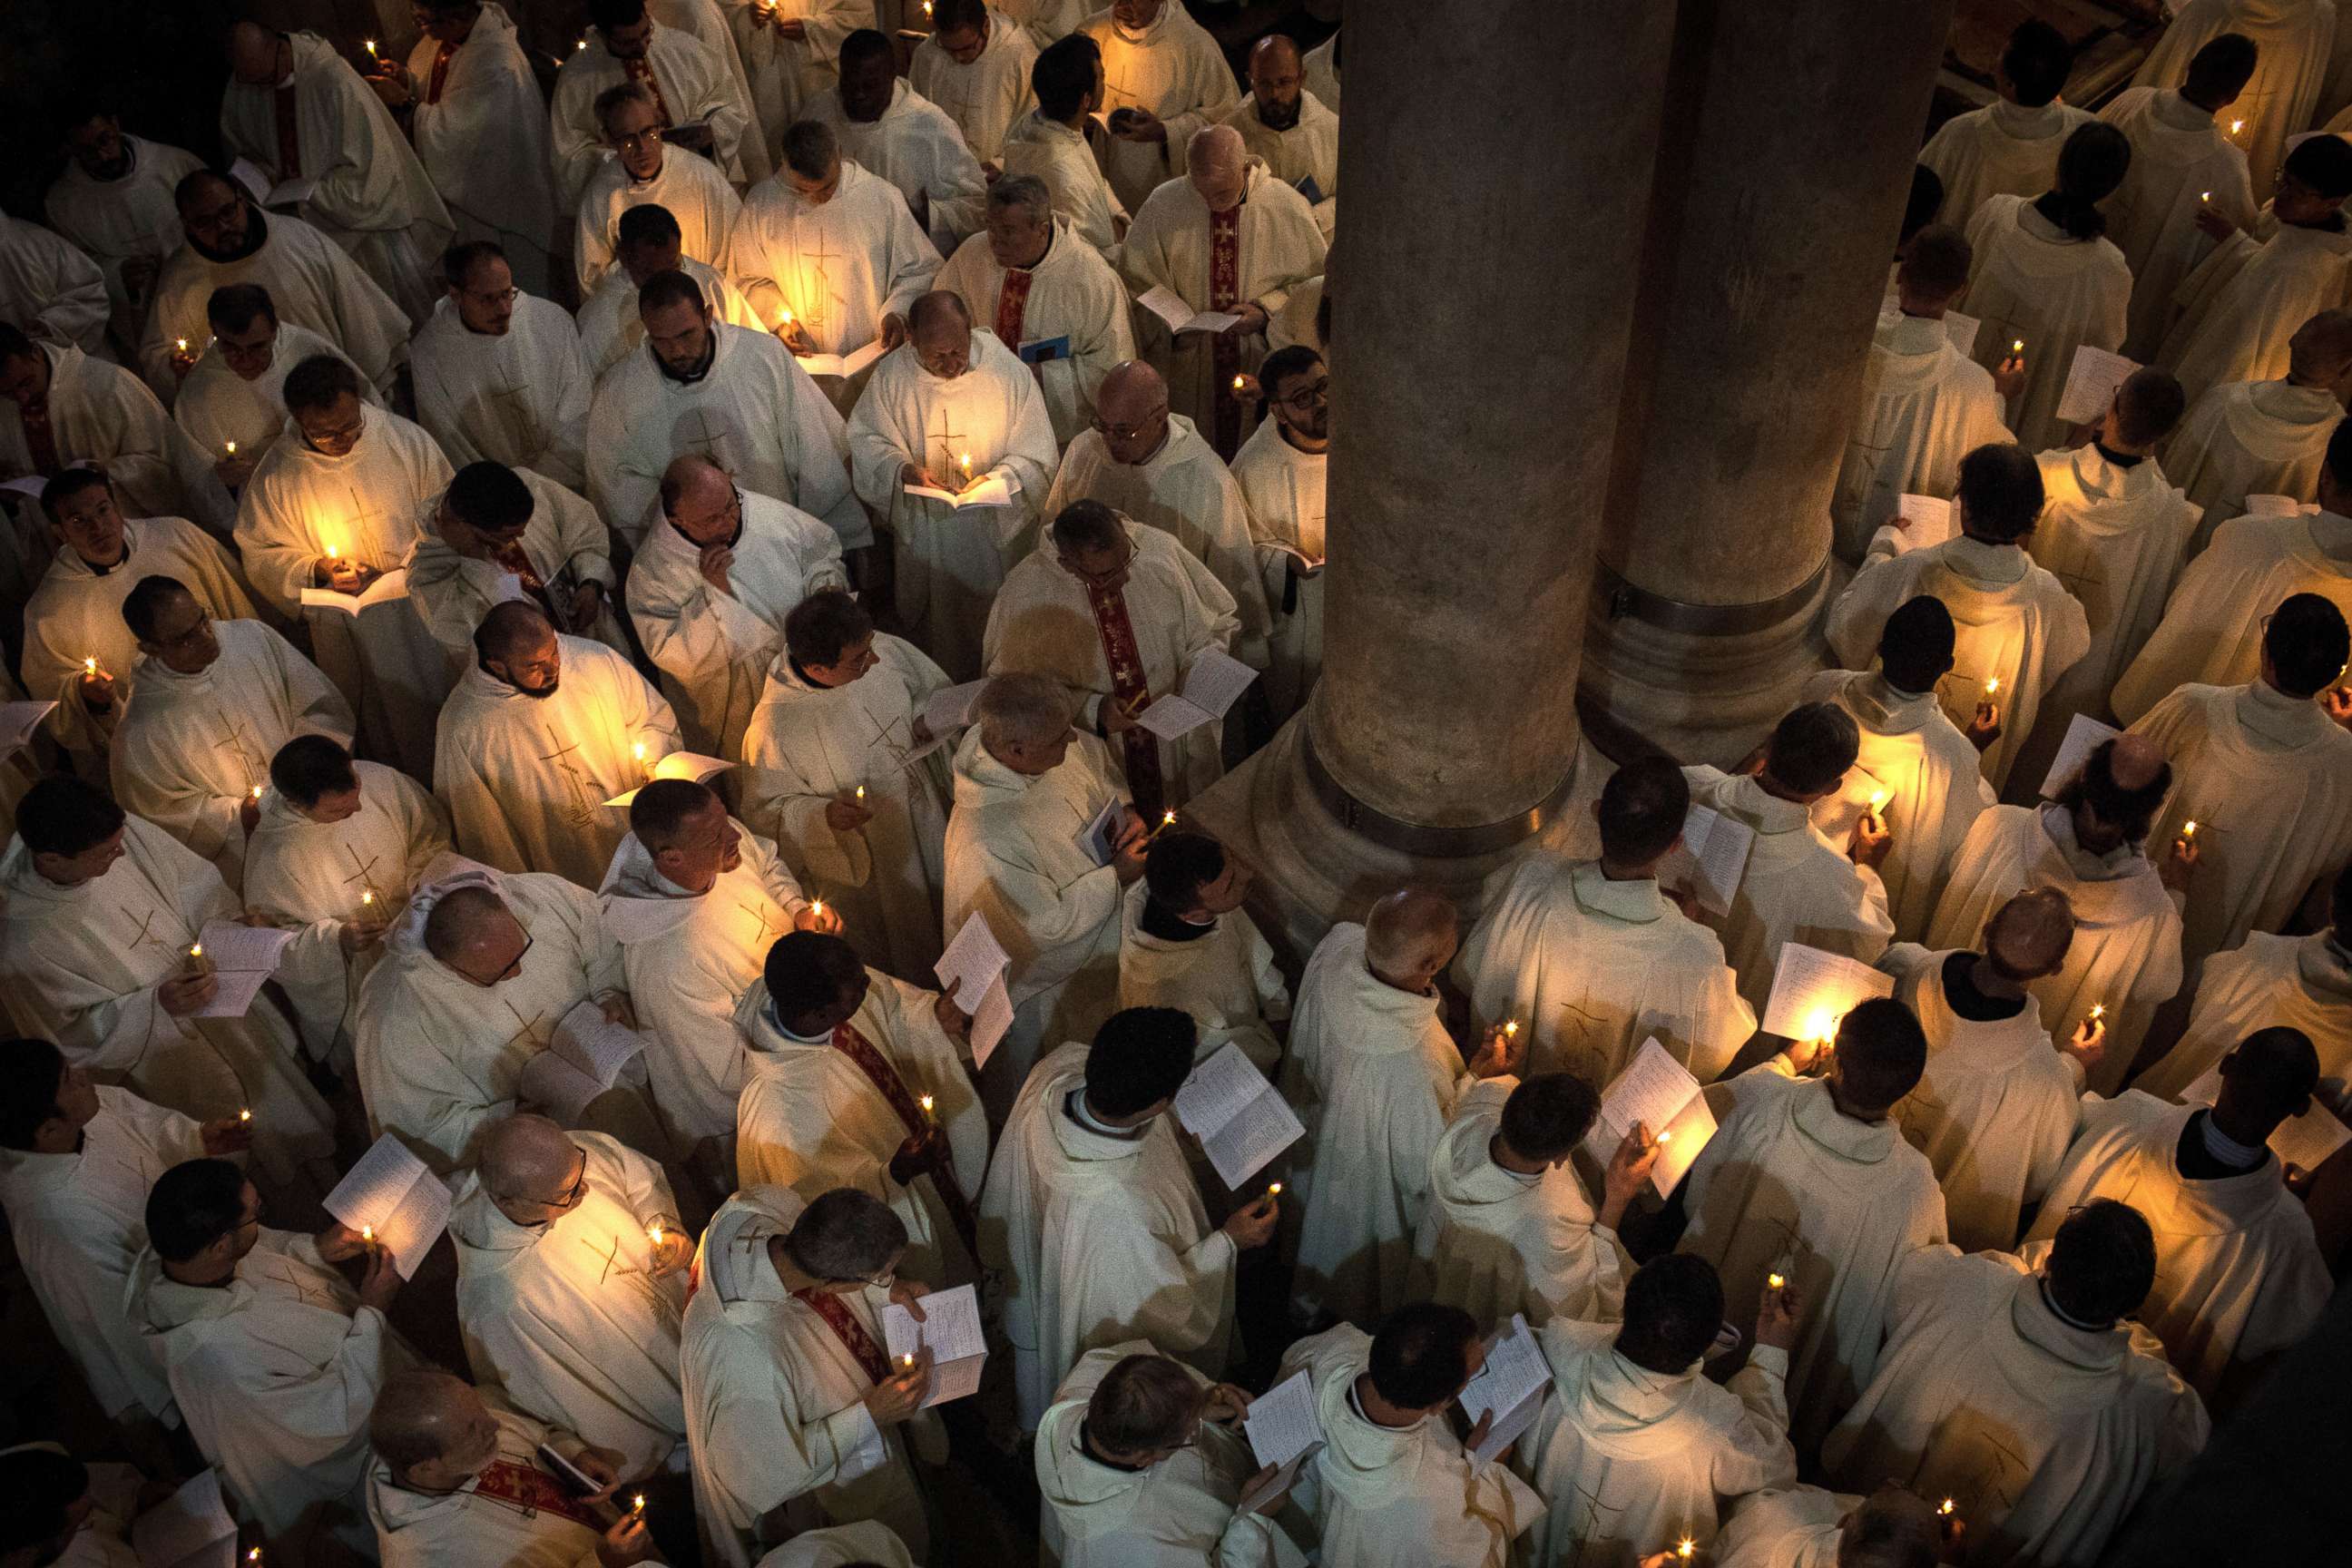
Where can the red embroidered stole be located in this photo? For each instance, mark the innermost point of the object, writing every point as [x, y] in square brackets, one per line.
[290, 137]
[641, 69]
[884, 1077]
[511, 557]
[848, 1331]
[1225, 293]
[440, 77]
[1131, 692]
[40, 435]
[1012, 303]
[532, 1490]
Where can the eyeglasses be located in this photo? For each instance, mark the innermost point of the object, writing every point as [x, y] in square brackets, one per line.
[1305, 399]
[493, 295]
[575, 1191]
[190, 638]
[1130, 432]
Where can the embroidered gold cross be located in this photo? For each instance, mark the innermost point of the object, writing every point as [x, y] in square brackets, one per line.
[951, 447]
[529, 1029]
[588, 803]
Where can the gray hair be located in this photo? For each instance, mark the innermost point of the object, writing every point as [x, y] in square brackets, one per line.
[845, 1234]
[810, 148]
[1017, 708]
[609, 102]
[1023, 191]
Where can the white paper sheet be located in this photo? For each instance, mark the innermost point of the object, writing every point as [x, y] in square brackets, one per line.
[1251, 1141]
[393, 585]
[558, 1087]
[950, 1329]
[390, 1190]
[1651, 1090]
[1282, 1424]
[990, 489]
[1510, 1386]
[692, 766]
[973, 959]
[1219, 1089]
[2083, 736]
[234, 994]
[191, 1526]
[842, 365]
[990, 1021]
[2090, 384]
[2273, 506]
[1284, 1474]
[596, 1044]
[1925, 520]
[952, 707]
[1812, 990]
[19, 721]
[1209, 690]
[229, 946]
[1962, 331]
[1171, 308]
[1836, 814]
[1712, 860]
[2309, 1141]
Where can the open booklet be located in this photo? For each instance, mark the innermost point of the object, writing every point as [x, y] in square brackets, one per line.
[393, 585]
[1283, 1431]
[287, 193]
[1860, 792]
[1812, 990]
[587, 1054]
[989, 490]
[190, 1529]
[2310, 1140]
[1659, 1093]
[974, 966]
[1712, 858]
[1169, 305]
[19, 723]
[1241, 1120]
[1925, 522]
[692, 766]
[2092, 382]
[242, 959]
[950, 1329]
[1962, 331]
[1210, 688]
[842, 365]
[2083, 736]
[1510, 1387]
[391, 1194]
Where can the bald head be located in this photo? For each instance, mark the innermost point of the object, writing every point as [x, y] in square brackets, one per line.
[471, 930]
[1217, 163]
[1410, 935]
[2320, 352]
[941, 329]
[511, 630]
[1131, 390]
[2135, 762]
[253, 54]
[2028, 937]
[1273, 51]
[526, 1155]
[693, 486]
[421, 1417]
[1275, 76]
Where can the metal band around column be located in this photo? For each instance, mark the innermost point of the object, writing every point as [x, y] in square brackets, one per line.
[1619, 599]
[1418, 838]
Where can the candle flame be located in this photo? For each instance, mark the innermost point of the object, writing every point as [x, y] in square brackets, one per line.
[232, 448]
[366, 898]
[927, 1103]
[257, 792]
[637, 1503]
[371, 46]
[367, 1233]
[907, 1362]
[245, 1116]
[653, 1234]
[2097, 1011]
[1511, 1030]
[1240, 381]
[1947, 1506]
[2187, 830]
[966, 460]
[1822, 1028]
[2204, 195]
[1273, 1189]
[1877, 801]
[1992, 686]
[788, 317]
[578, 46]
[1776, 1281]
[197, 950]
[2236, 126]
[182, 344]
[1167, 819]
[254, 1555]
[89, 664]
[1665, 1138]
[861, 792]
[2018, 347]
[334, 553]
[1684, 1547]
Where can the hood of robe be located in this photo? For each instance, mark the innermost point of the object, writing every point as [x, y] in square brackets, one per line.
[2023, 125]
[2278, 422]
[1071, 1480]
[2273, 721]
[2323, 967]
[981, 780]
[1879, 708]
[2112, 500]
[290, 451]
[1151, 32]
[1387, 1022]
[755, 1021]
[23, 889]
[1916, 353]
[1462, 1174]
[1368, 1459]
[474, 1222]
[733, 1259]
[407, 938]
[2050, 1360]
[1637, 901]
[1619, 1407]
[1739, 795]
[1817, 1117]
[631, 877]
[165, 1305]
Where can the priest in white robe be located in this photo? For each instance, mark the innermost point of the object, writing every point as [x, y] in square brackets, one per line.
[1394, 1486]
[833, 777]
[1280, 471]
[2295, 45]
[1165, 79]
[1510, 1227]
[58, 292]
[1375, 1076]
[233, 402]
[471, 987]
[2022, 1384]
[101, 911]
[274, 1358]
[60, 408]
[1118, 614]
[1228, 237]
[537, 737]
[795, 1415]
[1810, 1179]
[1641, 1447]
[1927, 404]
[500, 373]
[695, 904]
[647, 242]
[296, 112]
[339, 848]
[2010, 147]
[2089, 845]
[1289, 129]
[2183, 160]
[113, 201]
[701, 103]
[499, 533]
[1592, 957]
[1093, 1215]
[890, 130]
[975, 67]
[951, 409]
[2256, 444]
[1805, 1527]
[1184, 940]
[2018, 629]
[2303, 981]
[791, 51]
[337, 505]
[644, 170]
[216, 700]
[1800, 885]
[1048, 296]
[312, 282]
[723, 393]
[2239, 1279]
[1158, 469]
[720, 568]
[572, 1280]
[856, 1079]
[1056, 142]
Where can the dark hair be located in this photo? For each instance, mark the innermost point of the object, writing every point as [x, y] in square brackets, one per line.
[13, 343]
[309, 766]
[69, 483]
[605, 15]
[1674, 1309]
[1291, 359]
[806, 972]
[39, 1486]
[2103, 1264]
[145, 602]
[2221, 68]
[811, 148]
[2325, 164]
[2271, 1073]
[2307, 644]
[647, 224]
[1641, 810]
[1145, 1402]
[232, 307]
[2132, 810]
[1548, 1115]
[319, 382]
[191, 1205]
[1915, 647]
[31, 1074]
[845, 1233]
[1178, 866]
[1086, 525]
[2000, 491]
[670, 288]
[866, 44]
[1881, 1052]
[1063, 74]
[1139, 1056]
[660, 809]
[2091, 165]
[457, 262]
[491, 497]
[1939, 260]
[2148, 404]
[823, 625]
[2036, 62]
[61, 815]
[1924, 202]
[949, 16]
[1421, 1355]
[1811, 747]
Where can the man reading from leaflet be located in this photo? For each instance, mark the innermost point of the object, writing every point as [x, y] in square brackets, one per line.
[1186, 941]
[2264, 437]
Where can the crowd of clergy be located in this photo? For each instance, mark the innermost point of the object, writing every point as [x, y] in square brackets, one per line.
[702, 553]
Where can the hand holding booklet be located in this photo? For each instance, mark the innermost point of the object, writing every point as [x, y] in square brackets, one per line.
[973, 969]
[391, 1193]
[842, 365]
[1209, 687]
[1510, 1388]
[950, 1331]
[588, 1052]
[2092, 382]
[989, 490]
[390, 585]
[1659, 1093]
[1169, 307]
[1283, 1431]
[1242, 1122]
[242, 958]
[190, 1529]
[1812, 990]
[1712, 858]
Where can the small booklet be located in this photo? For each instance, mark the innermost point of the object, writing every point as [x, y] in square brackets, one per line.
[974, 965]
[2091, 385]
[1169, 307]
[1101, 836]
[391, 1193]
[989, 489]
[243, 958]
[1210, 688]
[842, 365]
[1044, 351]
[393, 585]
[1282, 1425]
[292, 192]
[1835, 814]
[1812, 990]
[19, 723]
[1659, 1092]
[1305, 187]
[1510, 1387]
[190, 1529]
[26, 485]
[950, 1329]
[577, 1481]
[692, 766]
[2309, 1140]
[587, 1054]
[1242, 1122]
[1713, 857]
[2083, 736]
[1925, 522]
[1962, 331]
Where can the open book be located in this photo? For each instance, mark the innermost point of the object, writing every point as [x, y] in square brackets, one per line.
[1835, 814]
[2083, 736]
[1712, 860]
[2092, 382]
[843, 365]
[19, 723]
[1169, 307]
[190, 1529]
[974, 965]
[1925, 522]
[288, 193]
[950, 1329]
[1510, 1387]
[1240, 1122]
[392, 1193]
[1962, 331]
[1659, 1093]
[2309, 1140]
[243, 958]
[587, 1054]
[989, 490]
[1812, 990]
[1209, 687]
[692, 766]
[1283, 1431]
[393, 585]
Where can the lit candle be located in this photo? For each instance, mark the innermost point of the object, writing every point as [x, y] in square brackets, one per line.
[817, 908]
[181, 344]
[366, 898]
[334, 553]
[2236, 126]
[257, 792]
[578, 46]
[2098, 1010]
[966, 460]
[1946, 1507]
[861, 792]
[1273, 1191]
[788, 317]
[1665, 1138]
[1992, 686]
[245, 1116]
[653, 1234]
[197, 950]
[1877, 801]
[254, 1555]
[637, 1504]
[907, 1362]
[2204, 195]
[1776, 1281]
[2018, 347]
[90, 664]
[926, 1102]
[371, 49]
[1240, 381]
[367, 1233]
[1684, 1547]
[232, 448]
[2187, 831]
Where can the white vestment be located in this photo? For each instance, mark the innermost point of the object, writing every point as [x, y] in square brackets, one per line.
[311, 877]
[1398, 1496]
[2294, 39]
[788, 74]
[568, 1318]
[312, 282]
[813, 1118]
[368, 193]
[482, 139]
[1323, 70]
[520, 398]
[2245, 301]
[692, 85]
[990, 422]
[367, 506]
[526, 778]
[84, 966]
[100, 415]
[1307, 152]
[567, 546]
[2302, 982]
[1185, 490]
[1071, 293]
[2014, 622]
[1798, 887]
[808, 746]
[1067, 161]
[1224, 977]
[1800, 1528]
[1043, 623]
[192, 750]
[1101, 1237]
[2181, 163]
[1171, 68]
[1593, 967]
[276, 1373]
[865, 1544]
[1995, 1109]
[775, 1414]
[470, 1528]
[611, 330]
[2249, 438]
[1631, 1458]
[1926, 407]
[714, 649]
[1172, 245]
[78, 1222]
[128, 218]
[686, 186]
[2238, 1276]
[1494, 1242]
[835, 268]
[984, 98]
[2054, 1433]
[2002, 150]
[689, 965]
[217, 406]
[56, 292]
[439, 1057]
[917, 148]
[754, 413]
[1178, 1512]
[1282, 491]
[1790, 1183]
[1375, 1077]
[2032, 281]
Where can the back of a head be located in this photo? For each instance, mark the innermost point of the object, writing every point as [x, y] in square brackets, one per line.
[1022, 709]
[410, 1423]
[2324, 163]
[191, 1205]
[2093, 161]
[1881, 1052]
[806, 971]
[309, 766]
[2036, 62]
[1404, 927]
[2103, 1264]
[1892, 1529]
[666, 289]
[660, 810]
[1915, 647]
[490, 495]
[822, 626]
[647, 224]
[1139, 1056]
[234, 307]
[38, 1485]
[148, 599]
[2271, 1073]
[1086, 525]
[2221, 68]
[1641, 811]
[845, 1234]
[66, 484]
[320, 382]
[810, 148]
[510, 627]
[2307, 644]
[1938, 263]
[606, 15]
[31, 1073]
[2132, 810]
[1063, 74]
[2000, 491]
[1421, 1355]
[1811, 747]
[1178, 865]
[607, 104]
[1924, 201]
[1674, 1309]
[1145, 1402]
[2148, 404]
[1548, 1115]
[457, 917]
[62, 815]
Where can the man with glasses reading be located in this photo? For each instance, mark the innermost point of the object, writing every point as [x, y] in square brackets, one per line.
[232, 405]
[500, 373]
[642, 170]
[1280, 470]
[498, 533]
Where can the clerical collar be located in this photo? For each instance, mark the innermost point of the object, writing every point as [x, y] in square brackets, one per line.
[257, 235]
[2120, 459]
[698, 371]
[98, 571]
[2227, 1150]
[2065, 1317]
[1073, 1106]
[1168, 925]
[778, 1022]
[1086, 1446]
[1963, 997]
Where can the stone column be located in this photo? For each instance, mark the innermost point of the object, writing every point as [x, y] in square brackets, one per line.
[1498, 157]
[1783, 169]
